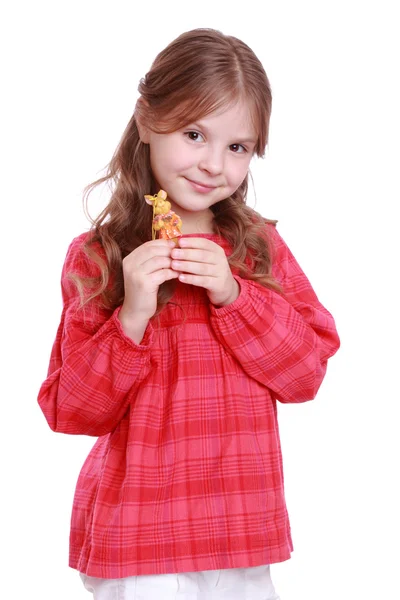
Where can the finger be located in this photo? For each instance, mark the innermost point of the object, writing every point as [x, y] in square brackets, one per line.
[159, 242]
[196, 255]
[155, 245]
[156, 248]
[155, 263]
[148, 251]
[201, 243]
[195, 268]
[163, 275]
[197, 280]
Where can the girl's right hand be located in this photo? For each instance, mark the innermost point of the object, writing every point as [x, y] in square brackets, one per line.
[144, 270]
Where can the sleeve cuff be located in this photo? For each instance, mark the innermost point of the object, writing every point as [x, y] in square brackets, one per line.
[221, 311]
[147, 340]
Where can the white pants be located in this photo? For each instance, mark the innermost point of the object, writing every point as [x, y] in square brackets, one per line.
[252, 583]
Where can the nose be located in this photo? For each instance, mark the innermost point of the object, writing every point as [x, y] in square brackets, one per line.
[212, 161]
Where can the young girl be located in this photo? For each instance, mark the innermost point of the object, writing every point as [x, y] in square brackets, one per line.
[174, 352]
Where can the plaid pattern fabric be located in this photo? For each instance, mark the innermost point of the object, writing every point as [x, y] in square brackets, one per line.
[186, 474]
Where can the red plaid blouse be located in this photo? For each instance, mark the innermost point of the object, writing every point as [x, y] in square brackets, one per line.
[186, 473]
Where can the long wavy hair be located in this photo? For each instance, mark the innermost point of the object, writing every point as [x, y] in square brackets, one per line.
[198, 73]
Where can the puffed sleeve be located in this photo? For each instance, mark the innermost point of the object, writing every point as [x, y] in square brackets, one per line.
[94, 367]
[282, 340]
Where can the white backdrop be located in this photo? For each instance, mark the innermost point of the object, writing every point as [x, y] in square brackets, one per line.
[330, 177]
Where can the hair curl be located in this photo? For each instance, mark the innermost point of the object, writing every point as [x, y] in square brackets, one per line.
[199, 72]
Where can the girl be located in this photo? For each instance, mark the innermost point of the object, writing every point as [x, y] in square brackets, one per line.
[174, 355]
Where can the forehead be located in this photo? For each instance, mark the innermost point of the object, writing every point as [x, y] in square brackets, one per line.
[237, 119]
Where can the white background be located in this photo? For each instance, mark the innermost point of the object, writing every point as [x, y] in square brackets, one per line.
[70, 72]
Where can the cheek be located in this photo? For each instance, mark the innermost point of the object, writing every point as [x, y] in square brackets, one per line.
[170, 159]
[159, 161]
[182, 158]
[237, 172]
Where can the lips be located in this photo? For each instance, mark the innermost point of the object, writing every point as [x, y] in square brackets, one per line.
[201, 187]
[202, 184]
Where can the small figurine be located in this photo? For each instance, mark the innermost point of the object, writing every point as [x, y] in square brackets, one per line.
[165, 221]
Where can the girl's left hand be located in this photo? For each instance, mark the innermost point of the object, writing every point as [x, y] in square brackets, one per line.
[203, 263]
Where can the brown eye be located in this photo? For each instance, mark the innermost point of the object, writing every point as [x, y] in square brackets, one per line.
[194, 136]
[237, 148]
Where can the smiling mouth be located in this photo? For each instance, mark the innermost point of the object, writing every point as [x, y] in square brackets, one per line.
[201, 185]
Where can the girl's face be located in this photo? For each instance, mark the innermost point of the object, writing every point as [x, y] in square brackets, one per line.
[203, 163]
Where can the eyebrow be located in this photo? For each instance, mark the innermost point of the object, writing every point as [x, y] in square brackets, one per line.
[249, 140]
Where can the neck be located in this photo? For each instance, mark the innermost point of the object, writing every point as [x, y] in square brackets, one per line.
[197, 222]
[197, 225]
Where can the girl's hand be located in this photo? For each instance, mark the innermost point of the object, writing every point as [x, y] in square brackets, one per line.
[144, 270]
[203, 263]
